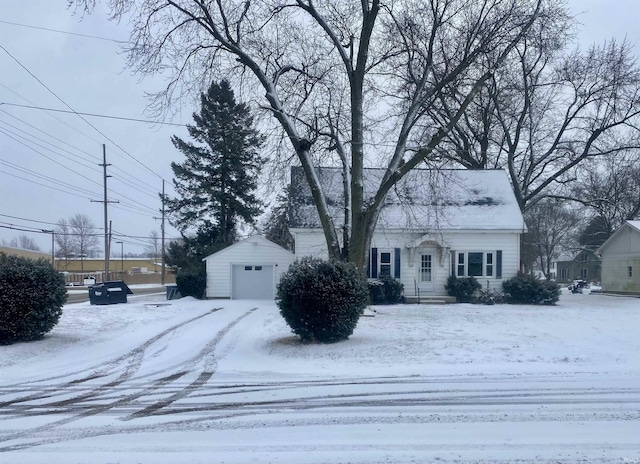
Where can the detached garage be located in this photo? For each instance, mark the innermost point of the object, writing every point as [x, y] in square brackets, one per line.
[247, 270]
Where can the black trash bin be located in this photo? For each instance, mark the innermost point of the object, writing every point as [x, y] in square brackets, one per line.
[98, 295]
[173, 293]
[111, 292]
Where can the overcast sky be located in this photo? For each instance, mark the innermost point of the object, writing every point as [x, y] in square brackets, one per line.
[49, 162]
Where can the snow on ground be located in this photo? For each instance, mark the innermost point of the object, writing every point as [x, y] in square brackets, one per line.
[226, 381]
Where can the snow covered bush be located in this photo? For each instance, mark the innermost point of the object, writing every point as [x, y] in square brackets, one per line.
[385, 290]
[322, 301]
[192, 283]
[463, 288]
[31, 297]
[527, 289]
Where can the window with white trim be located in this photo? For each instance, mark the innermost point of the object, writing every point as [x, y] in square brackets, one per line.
[385, 264]
[475, 264]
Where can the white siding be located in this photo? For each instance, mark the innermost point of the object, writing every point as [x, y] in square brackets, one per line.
[470, 241]
[312, 243]
[620, 254]
[253, 251]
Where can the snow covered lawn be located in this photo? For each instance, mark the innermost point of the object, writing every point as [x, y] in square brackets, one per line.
[226, 381]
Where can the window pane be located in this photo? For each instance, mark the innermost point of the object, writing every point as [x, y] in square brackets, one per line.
[425, 270]
[475, 265]
[247, 268]
[385, 258]
[258, 268]
[385, 270]
[489, 272]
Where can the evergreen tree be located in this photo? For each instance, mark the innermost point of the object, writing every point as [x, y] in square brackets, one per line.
[595, 234]
[277, 225]
[216, 183]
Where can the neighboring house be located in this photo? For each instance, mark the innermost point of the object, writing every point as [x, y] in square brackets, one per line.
[433, 224]
[583, 265]
[25, 253]
[249, 269]
[621, 260]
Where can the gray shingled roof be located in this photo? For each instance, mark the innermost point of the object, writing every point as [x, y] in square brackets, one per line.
[424, 199]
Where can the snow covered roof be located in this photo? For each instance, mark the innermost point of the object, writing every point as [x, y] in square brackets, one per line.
[446, 199]
[254, 239]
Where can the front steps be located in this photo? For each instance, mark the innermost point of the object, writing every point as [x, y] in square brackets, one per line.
[430, 299]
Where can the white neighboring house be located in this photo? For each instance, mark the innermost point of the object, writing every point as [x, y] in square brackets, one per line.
[621, 260]
[247, 270]
[433, 224]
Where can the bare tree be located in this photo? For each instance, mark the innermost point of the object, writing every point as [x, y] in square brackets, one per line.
[552, 227]
[84, 238]
[548, 112]
[24, 242]
[153, 246]
[64, 241]
[349, 83]
[610, 190]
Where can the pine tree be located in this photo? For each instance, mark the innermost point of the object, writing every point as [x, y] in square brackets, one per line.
[216, 184]
[277, 225]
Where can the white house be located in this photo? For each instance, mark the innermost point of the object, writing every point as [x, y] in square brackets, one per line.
[433, 224]
[249, 269]
[621, 260]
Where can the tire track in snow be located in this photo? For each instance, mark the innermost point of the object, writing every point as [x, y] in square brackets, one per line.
[133, 359]
[209, 368]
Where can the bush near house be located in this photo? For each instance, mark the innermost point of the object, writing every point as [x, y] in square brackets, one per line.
[322, 301]
[385, 290]
[32, 294]
[463, 288]
[192, 282]
[527, 289]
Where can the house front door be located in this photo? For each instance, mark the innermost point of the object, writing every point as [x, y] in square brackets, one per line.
[426, 274]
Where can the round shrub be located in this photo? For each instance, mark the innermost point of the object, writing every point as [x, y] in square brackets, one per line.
[32, 294]
[322, 301]
[527, 289]
[385, 290]
[192, 283]
[463, 288]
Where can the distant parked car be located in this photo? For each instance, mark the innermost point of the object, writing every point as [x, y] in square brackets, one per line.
[578, 285]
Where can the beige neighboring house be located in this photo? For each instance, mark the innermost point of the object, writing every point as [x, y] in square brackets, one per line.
[25, 253]
[621, 260]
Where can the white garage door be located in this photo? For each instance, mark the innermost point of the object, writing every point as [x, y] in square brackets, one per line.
[252, 282]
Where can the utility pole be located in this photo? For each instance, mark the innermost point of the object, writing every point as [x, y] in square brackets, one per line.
[162, 272]
[162, 239]
[106, 202]
[53, 254]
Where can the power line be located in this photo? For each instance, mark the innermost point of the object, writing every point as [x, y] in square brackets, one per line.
[81, 117]
[133, 183]
[74, 128]
[3, 131]
[88, 36]
[74, 160]
[95, 115]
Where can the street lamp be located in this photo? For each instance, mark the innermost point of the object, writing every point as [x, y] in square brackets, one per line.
[121, 255]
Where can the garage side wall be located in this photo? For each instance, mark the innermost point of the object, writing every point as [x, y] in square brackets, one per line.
[218, 278]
